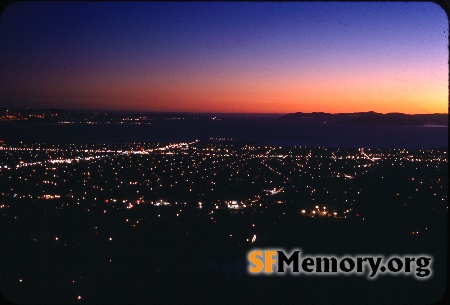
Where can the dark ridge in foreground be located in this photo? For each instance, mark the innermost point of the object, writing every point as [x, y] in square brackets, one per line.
[370, 118]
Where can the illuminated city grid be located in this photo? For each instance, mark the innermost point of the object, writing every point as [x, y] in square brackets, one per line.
[115, 215]
[232, 176]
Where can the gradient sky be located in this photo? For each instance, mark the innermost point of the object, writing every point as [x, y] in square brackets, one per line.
[225, 57]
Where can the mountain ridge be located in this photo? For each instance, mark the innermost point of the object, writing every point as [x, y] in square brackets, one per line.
[369, 118]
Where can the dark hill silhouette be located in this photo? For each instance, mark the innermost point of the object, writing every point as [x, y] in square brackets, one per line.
[370, 118]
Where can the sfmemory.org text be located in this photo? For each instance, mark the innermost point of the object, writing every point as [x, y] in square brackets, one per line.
[277, 261]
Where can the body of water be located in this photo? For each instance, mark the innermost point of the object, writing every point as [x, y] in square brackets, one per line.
[264, 131]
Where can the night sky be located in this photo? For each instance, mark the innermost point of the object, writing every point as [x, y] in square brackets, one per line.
[225, 57]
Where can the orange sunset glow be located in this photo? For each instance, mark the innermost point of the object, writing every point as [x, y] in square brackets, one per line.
[247, 59]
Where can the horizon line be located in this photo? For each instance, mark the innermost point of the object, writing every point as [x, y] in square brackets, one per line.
[206, 112]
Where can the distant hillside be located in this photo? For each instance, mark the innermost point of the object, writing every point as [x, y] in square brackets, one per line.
[369, 118]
